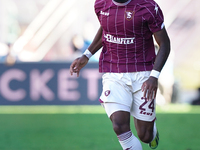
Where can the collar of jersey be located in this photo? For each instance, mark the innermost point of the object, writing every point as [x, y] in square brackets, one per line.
[121, 4]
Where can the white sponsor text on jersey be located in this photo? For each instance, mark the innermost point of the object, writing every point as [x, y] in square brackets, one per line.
[104, 13]
[117, 40]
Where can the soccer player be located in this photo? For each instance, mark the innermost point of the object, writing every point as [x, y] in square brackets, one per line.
[130, 66]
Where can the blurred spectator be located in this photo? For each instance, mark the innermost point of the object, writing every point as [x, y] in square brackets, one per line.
[3, 52]
[10, 59]
[6, 55]
[197, 100]
[77, 44]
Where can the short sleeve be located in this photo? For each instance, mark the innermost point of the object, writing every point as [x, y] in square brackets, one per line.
[155, 18]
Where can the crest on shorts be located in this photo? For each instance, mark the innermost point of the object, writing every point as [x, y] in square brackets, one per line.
[129, 15]
[107, 92]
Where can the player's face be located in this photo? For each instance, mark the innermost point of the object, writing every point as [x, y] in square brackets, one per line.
[121, 1]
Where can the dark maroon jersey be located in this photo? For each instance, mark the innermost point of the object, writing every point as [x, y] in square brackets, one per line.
[127, 34]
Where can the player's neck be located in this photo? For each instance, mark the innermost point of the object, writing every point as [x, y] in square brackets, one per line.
[121, 2]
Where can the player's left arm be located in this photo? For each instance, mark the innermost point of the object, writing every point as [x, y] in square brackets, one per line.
[163, 41]
[150, 86]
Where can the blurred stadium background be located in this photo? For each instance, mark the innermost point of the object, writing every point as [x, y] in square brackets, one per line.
[38, 41]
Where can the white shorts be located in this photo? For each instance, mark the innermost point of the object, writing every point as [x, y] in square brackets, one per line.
[122, 91]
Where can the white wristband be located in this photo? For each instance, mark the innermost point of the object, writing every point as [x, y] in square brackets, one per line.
[155, 74]
[87, 53]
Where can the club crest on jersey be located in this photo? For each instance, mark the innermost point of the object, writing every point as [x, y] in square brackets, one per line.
[129, 15]
[107, 92]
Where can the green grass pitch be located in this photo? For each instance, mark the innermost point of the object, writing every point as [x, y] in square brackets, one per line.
[88, 128]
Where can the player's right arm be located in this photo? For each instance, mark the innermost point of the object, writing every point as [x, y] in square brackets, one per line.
[80, 62]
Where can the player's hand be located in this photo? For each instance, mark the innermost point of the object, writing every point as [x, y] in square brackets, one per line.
[149, 87]
[78, 64]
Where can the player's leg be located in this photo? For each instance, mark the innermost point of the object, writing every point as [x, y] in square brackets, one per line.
[120, 117]
[144, 118]
[147, 132]
[121, 122]
[116, 98]
[154, 143]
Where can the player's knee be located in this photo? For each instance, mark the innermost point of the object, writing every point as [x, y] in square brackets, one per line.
[121, 122]
[121, 128]
[145, 137]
